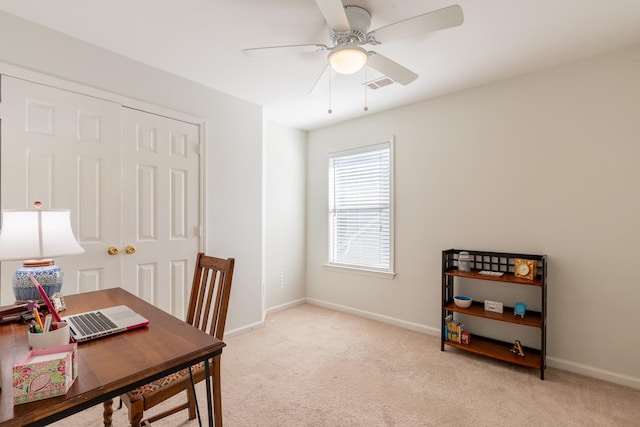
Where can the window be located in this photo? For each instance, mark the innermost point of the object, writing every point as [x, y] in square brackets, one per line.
[360, 208]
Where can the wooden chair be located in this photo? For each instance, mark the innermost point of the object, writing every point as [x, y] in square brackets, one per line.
[208, 312]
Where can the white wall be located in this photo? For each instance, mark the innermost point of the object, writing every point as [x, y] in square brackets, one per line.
[233, 137]
[547, 163]
[566, 138]
[285, 186]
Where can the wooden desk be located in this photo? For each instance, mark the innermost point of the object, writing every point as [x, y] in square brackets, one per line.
[110, 366]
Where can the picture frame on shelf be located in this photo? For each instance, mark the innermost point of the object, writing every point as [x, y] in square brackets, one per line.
[519, 309]
[58, 302]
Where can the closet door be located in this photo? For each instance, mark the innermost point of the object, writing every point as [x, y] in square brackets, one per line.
[63, 149]
[131, 180]
[161, 208]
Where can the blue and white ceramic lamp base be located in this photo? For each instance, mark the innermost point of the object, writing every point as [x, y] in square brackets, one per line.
[50, 277]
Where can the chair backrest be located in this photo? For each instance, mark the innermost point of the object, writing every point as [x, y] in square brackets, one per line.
[210, 294]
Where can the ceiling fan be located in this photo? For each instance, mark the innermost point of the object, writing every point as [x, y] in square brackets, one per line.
[348, 28]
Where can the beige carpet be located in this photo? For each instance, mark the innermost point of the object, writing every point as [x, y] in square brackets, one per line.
[310, 366]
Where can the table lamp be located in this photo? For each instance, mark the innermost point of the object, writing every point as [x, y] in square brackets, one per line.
[36, 236]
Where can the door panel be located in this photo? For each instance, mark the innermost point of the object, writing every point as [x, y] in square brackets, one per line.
[162, 215]
[63, 149]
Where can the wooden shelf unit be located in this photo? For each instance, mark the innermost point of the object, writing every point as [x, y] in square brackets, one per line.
[500, 262]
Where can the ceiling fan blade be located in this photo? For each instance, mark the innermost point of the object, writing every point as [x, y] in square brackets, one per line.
[321, 78]
[440, 19]
[391, 69]
[334, 14]
[286, 49]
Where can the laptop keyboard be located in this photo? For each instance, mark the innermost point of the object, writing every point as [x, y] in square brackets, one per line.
[92, 323]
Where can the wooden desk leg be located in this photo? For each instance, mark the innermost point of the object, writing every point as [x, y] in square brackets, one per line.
[108, 412]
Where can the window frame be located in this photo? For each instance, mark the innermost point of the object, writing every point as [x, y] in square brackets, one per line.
[358, 269]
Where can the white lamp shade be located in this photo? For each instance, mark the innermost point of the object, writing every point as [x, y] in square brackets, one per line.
[37, 234]
[347, 59]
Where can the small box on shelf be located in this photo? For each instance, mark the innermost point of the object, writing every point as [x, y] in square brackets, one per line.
[465, 338]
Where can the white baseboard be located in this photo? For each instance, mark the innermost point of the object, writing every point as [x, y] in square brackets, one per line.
[590, 371]
[243, 330]
[428, 330]
[281, 307]
[256, 325]
[553, 362]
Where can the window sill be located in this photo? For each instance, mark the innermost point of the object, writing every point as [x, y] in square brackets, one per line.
[361, 271]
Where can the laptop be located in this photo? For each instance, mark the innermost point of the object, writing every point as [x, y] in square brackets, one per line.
[105, 321]
[96, 323]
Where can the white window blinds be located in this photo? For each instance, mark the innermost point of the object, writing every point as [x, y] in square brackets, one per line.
[360, 208]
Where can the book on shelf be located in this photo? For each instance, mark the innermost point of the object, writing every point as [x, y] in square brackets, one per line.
[445, 331]
[454, 330]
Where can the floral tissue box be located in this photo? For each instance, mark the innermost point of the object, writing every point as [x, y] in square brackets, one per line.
[45, 373]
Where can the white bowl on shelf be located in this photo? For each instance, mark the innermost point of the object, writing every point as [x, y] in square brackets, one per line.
[462, 301]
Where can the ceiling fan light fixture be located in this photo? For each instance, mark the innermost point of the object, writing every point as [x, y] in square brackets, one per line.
[347, 59]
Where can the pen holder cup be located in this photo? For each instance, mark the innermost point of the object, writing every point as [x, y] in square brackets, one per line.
[59, 336]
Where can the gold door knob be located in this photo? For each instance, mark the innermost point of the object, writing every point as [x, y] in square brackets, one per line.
[113, 250]
[130, 249]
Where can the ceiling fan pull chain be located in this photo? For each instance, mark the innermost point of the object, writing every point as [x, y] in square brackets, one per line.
[366, 108]
[330, 110]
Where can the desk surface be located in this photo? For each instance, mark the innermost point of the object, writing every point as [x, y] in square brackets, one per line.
[108, 366]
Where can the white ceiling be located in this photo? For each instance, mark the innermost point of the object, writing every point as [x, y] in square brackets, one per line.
[201, 40]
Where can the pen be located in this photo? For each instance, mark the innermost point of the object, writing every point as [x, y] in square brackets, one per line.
[37, 317]
[47, 323]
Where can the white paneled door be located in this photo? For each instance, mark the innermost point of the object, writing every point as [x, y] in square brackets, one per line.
[130, 178]
[63, 149]
[161, 218]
